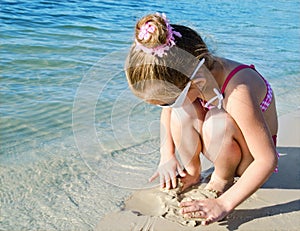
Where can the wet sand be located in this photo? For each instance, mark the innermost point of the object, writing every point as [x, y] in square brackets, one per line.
[275, 206]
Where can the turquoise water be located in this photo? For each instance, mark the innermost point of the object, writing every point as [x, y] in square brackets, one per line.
[74, 142]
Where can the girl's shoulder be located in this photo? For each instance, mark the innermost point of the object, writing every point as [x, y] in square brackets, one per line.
[243, 82]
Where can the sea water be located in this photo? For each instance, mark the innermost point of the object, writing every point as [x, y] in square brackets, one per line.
[74, 141]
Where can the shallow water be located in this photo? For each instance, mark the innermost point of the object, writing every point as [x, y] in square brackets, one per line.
[74, 141]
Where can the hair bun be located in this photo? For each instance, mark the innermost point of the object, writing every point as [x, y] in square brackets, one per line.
[154, 34]
[151, 31]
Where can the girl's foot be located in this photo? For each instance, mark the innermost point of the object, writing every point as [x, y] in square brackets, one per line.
[218, 185]
[189, 181]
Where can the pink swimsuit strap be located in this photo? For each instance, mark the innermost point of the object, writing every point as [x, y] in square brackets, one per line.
[269, 95]
[231, 74]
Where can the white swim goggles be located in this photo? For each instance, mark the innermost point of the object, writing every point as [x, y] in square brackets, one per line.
[181, 98]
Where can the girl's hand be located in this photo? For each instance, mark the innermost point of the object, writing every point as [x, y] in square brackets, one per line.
[210, 209]
[167, 172]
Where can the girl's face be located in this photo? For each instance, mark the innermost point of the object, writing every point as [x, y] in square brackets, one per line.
[187, 96]
[182, 98]
[159, 93]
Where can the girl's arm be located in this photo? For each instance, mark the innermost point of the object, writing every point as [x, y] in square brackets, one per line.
[167, 147]
[244, 108]
[168, 166]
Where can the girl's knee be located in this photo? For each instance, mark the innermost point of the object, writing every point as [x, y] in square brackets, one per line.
[218, 124]
[185, 134]
[219, 132]
[224, 143]
[180, 121]
[191, 119]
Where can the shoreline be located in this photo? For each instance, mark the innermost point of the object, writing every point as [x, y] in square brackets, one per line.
[275, 206]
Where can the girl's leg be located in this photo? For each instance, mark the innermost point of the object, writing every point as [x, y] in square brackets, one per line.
[185, 129]
[225, 146]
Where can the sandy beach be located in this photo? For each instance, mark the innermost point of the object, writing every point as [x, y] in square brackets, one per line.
[275, 206]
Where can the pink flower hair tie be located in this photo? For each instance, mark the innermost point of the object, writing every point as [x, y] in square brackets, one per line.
[145, 32]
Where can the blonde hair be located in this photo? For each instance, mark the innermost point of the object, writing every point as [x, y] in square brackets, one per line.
[149, 75]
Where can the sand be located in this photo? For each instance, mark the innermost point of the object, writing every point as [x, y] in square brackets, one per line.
[275, 206]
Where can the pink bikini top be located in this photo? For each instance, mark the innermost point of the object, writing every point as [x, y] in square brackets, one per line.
[269, 95]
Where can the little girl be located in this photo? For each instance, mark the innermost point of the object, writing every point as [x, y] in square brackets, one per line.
[210, 105]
